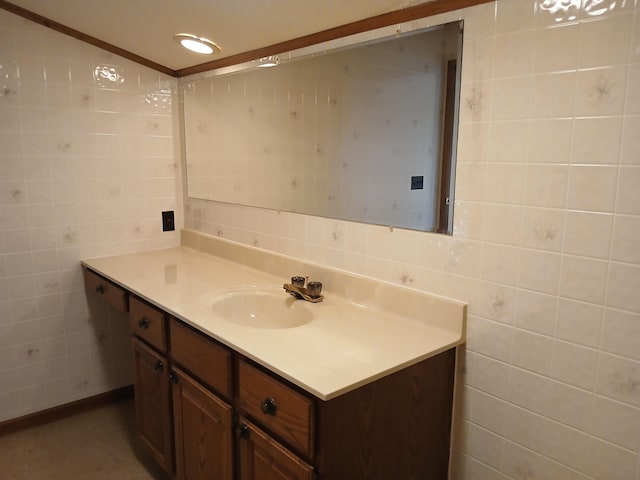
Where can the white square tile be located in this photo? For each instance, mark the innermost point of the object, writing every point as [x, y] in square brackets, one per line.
[600, 91]
[527, 390]
[507, 141]
[618, 378]
[592, 188]
[628, 193]
[626, 232]
[470, 181]
[632, 101]
[489, 338]
[596, 141]
[500, 263]
[515, 16]
[583, 279]
[532, 351]
[513, 54]
[588, 234]
[616, 422]
[502, 223]
[630, 146]
[552, 95]
[574, 364]
[542, 228]
[488, 411]
[607, 461]
[475, 101]
[548, 57]
[549, 141]
[539, 271]
[569, 405]
[622, 289]
[563, 444]
[479, 52]
[485, 446]
[511, 98]
[504, 183]
[596, 53]
[536, 311]
[621, 333]
[496, 302]
[546, 185]
[489, 375]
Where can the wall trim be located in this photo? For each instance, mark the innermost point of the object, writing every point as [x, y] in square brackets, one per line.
[67, 410]
[423, 10]
[59, 27]
[428, 9]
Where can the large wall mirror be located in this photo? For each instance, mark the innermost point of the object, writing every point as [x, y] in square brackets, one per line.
[363, 132]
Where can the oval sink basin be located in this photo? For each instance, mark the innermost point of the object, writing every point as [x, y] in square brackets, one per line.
[262, 309]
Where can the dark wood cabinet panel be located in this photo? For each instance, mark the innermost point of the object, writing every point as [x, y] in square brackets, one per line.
[262, 458]
[148, 323]
[203, 426]
[287, 414]
[202, 357]
[396, 427]
[100, 287]
[152, 403]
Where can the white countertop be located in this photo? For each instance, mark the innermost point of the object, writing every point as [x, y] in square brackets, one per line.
[357, 334]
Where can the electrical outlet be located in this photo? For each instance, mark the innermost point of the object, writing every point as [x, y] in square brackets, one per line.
[417, 182]
[168, 222]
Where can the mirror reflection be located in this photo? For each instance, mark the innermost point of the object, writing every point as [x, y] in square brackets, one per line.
[364, 133]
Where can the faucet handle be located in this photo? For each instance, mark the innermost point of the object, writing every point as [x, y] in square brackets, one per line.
[314, 289]
[298, 281]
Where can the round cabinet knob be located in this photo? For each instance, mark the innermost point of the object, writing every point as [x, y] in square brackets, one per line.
[173, 377]
[100, 288]
[243, 430]
[269, 406]
[159, 366]
[143, 323]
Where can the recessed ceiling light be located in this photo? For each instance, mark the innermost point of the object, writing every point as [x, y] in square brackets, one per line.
[196, 44]
[270, 61]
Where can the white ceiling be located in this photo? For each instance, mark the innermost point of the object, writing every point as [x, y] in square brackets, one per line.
[146, 27]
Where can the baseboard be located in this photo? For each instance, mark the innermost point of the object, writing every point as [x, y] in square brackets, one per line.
[66, 410]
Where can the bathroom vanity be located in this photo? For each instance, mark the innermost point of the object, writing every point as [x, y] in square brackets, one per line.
[235, 379]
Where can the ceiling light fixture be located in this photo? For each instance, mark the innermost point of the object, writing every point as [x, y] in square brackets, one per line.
[270, 61]
[196, 44]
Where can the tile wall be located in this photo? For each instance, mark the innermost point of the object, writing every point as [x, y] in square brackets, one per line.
[87, 163]
[546, 248]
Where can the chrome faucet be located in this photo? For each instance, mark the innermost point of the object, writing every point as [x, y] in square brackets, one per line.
[301, 287]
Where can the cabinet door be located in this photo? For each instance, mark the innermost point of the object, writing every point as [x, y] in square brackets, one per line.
[262, 458]
[203, 431]
[152, 401]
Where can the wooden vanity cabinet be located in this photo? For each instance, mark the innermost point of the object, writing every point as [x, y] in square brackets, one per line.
[152, 403]
[203, 419]
[203, 431]
[206, 412]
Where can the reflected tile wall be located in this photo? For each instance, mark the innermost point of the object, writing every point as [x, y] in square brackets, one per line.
[87, 163]
[546, 241]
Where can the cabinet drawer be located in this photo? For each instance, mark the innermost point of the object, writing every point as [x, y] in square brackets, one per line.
[106, 290]
[201, 356]
[280, 409]
[148, 323]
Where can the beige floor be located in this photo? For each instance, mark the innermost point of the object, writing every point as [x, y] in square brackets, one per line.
[96, 445]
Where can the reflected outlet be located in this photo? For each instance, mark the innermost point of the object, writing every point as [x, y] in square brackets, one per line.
[168, 222]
